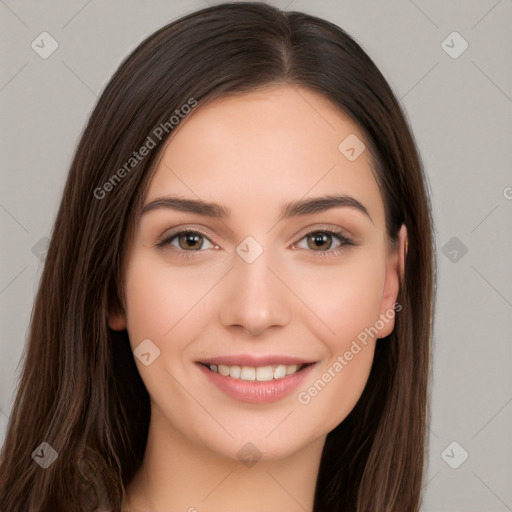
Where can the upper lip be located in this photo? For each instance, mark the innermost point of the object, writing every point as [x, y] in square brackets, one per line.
[254, 360]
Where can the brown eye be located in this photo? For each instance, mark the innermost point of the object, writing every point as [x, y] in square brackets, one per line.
[319, 240]
[190, 240]
[187, 241]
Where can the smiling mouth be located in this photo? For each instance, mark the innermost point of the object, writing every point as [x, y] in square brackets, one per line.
[257, 373]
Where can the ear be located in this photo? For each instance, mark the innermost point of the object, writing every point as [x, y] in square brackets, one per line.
[117, 320]
[395, 267]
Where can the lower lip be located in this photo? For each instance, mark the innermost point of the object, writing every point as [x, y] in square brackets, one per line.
[255, 391]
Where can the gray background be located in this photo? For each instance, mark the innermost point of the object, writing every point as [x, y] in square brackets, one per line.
[460, 111]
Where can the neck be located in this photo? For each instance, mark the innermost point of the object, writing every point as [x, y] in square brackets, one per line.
[179, 475]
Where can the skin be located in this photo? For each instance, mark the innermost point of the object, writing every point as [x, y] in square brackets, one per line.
[252, 153]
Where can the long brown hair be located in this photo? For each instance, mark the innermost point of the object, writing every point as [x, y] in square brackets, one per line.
[80, 390]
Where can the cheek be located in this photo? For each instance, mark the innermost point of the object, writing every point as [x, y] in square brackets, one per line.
[343, 299]
[161, 301]
[166, 306]
[337, 387]
[346, 298]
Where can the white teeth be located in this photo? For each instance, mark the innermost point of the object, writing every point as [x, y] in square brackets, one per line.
[291, 368]
[260, 373]
[248, 373]
[223, 370]
[280, 371]
[235, 371]
[264, 373]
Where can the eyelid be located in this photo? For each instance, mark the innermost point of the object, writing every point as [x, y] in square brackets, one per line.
[175, 230]
[164, 240]
[330, 228]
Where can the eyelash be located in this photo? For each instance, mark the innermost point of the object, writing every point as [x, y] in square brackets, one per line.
[345, 241]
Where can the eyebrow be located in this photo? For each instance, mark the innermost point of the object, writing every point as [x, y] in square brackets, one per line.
[290, 209]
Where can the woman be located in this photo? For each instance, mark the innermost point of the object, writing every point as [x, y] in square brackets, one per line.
[235, 311]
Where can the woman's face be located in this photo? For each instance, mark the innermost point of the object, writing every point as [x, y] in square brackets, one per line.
[258, 286]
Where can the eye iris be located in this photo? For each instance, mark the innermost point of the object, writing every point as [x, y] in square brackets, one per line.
[190, 238]
[320, 238]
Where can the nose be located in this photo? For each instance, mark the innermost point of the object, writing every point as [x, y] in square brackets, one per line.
[255, 297]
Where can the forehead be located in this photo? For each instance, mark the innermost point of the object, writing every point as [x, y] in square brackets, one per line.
[274, 145]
